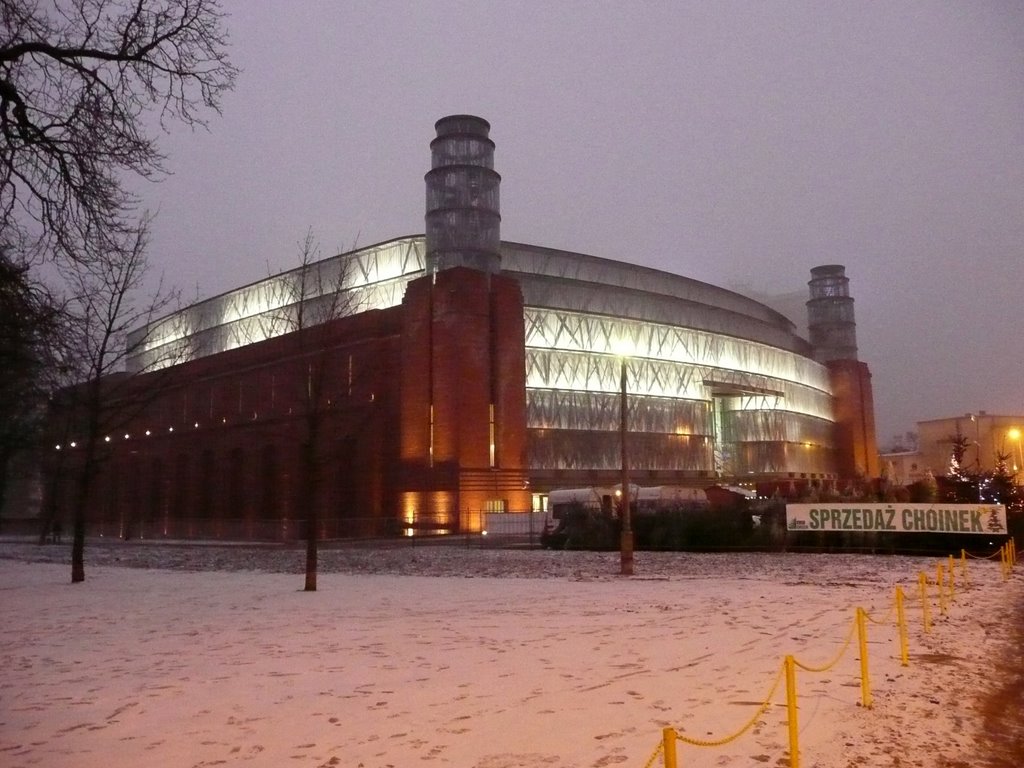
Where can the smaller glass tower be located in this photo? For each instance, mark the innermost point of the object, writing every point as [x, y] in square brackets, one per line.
[830, 321]
[463, 216]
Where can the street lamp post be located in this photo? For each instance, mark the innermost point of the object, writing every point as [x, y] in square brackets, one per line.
[977, 443]
[626, 537]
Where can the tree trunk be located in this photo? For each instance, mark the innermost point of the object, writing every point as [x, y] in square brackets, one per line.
[78, 515]
[5, 462]
[78, 548]
[309, 495]
[311, 552]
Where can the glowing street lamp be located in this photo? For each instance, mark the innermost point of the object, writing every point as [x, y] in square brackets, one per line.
[1014, 434]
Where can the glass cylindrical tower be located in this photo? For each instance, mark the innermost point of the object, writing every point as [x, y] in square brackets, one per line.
[830, 321]
[463, 216]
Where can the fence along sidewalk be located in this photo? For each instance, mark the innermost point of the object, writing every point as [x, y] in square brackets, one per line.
[944, 591]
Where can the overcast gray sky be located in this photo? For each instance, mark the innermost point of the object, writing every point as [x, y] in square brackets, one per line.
[736, 143]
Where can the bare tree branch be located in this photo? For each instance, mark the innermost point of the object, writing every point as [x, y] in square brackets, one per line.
[77, 79]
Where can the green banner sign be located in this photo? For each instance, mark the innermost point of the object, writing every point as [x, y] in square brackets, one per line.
[988, 519]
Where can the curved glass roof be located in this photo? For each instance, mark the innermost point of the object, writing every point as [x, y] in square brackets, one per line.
[376, 277]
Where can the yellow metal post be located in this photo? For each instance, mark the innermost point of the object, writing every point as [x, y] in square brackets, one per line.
[862, 635]
[901, 620]
[963, 567]
[794, 730]
[951, 579]
[668, 744]
[922, 580]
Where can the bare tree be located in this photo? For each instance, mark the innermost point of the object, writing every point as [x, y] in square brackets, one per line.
[103, 305]
[78, 80]
[314, 294]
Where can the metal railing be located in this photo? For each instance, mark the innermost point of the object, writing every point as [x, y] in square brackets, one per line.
[507, 529]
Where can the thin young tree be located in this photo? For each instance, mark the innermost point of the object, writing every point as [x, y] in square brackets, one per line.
[313, 295]
[80, 82]
[965, 484]
[999, 485]
[958, 453]
[106, 299]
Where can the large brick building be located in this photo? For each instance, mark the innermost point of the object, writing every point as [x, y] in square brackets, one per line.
[452, 374]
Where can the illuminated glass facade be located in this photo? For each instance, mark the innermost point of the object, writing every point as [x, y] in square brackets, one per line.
[373, 278]
[718, 385]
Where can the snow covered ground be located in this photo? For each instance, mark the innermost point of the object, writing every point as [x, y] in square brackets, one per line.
[479, 658]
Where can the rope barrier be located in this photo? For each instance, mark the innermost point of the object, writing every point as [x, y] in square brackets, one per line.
[761, 709]
[897, 610]
[888, 617]
[838, 656]
[654, 756]
[993, 556]
[670, 737]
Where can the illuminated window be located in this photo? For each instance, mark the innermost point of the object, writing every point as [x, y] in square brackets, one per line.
[430, 448]
[490, 431]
